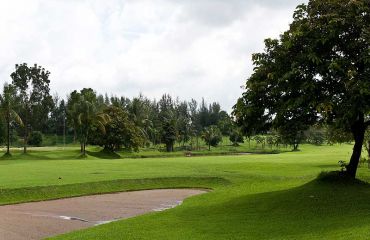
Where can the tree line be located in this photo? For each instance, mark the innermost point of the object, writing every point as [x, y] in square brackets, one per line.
[113, 122]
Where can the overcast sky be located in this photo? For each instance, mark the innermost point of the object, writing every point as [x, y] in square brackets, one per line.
[187, 48]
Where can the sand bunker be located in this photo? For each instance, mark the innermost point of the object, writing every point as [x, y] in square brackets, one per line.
[44, 219]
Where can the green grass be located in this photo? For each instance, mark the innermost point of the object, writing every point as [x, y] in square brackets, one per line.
[271, 196]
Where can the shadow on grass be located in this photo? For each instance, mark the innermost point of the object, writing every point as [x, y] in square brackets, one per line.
[318, 209]
[104, 154]
[6, 156]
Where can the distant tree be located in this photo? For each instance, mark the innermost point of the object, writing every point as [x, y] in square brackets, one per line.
[225, 123]
[183, 122]
[212, 136]
[35, 139]
[120, 131]
[168, 129]
[72, 116]
[32, 84]
[236, 137]
[8, 104]
[57, 119]
[292, 133]
[317, 71]
[259, 140]
[315, 135]
[271, 140]
[195, 125]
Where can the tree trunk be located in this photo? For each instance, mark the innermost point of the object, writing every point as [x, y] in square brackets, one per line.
[8, 135]
[197, 142]
[169, 147]
[74, 135]
[295, 146]
[84, 149]
[368, 149]
[25, 137]
[358, 131]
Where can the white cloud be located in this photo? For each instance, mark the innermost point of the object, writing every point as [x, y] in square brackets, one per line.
[189, 49]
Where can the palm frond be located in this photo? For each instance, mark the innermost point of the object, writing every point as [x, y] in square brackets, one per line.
[101, 127]
[103, 118]
[16, 117]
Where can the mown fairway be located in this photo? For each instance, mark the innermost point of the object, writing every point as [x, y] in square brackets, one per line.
[271, 196]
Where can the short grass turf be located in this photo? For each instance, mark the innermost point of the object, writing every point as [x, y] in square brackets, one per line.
[254, 196]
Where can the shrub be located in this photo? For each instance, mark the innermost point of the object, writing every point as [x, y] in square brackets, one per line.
[35, 139]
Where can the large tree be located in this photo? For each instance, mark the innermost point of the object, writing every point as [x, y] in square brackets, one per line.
[317, 71]
[32, 84]
[8, 104]
[86, 113]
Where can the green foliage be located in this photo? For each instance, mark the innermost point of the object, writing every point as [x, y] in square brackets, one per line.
[317, 71]
[212, 136]
[120, 131]
[335, 134]
[32, 85]
[8, 104]
[168, 119]
[35, 139]
[86, 113]
[259, 140]
[315, 135]
[342, 165]
[236, 137]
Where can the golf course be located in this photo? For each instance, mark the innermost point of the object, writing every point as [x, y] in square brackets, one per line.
[185, 120]
[256, 196]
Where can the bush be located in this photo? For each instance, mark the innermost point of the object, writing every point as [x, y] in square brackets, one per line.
[35, 139]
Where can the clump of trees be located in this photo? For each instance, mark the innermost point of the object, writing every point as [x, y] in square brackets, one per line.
[318, 71]
[119, 132]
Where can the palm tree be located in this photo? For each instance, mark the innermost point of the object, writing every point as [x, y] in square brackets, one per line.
[87, 115]
[212, 136]
[7, 105]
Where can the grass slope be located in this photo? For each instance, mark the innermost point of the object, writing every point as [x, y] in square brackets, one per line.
[31, 194]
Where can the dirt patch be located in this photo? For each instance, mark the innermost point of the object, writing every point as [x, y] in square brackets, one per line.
[44, 219]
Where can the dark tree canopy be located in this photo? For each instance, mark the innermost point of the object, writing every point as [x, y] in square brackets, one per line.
[120, 132]
[317, 71]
